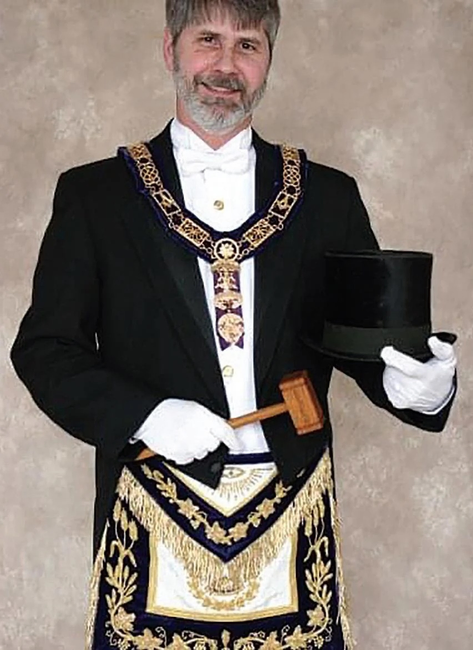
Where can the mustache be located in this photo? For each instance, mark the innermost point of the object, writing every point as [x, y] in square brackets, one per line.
[222, 81]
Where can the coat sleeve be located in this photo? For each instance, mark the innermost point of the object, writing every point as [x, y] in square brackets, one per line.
[369, 376]
[55, 352]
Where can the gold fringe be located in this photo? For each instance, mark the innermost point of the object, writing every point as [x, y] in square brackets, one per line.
[343, 609]
[94, 591]
[307, 507]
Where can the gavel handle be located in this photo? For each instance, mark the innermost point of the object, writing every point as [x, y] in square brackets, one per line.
[249, 418]
[257, 416]
[146, 453]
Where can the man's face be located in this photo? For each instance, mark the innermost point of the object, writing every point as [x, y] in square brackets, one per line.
[220, 73]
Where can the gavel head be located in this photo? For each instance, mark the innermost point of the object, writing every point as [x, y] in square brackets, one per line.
[302, 402]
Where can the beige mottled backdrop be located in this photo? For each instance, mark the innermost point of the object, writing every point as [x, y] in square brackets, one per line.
[380, 88]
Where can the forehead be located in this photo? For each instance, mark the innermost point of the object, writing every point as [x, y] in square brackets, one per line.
[220, 21]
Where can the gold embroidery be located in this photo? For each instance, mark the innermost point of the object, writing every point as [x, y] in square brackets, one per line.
[226, 616]
[343, 600]
[197, 518]
[228, 297]
[217, 598]
[225, 248]
[122, 581]
[225, 253]
[234, 482]
[94, 590]
[122, 578]
[230, 327]
[250, 562]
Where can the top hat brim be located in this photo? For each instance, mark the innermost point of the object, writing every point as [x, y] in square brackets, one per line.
[423, 354]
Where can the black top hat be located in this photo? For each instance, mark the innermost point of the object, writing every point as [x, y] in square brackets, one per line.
[377, 298]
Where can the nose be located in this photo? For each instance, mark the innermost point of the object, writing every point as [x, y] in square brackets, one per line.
[226, 59]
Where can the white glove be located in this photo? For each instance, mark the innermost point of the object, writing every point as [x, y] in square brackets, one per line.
[423, 387]
[183, 431]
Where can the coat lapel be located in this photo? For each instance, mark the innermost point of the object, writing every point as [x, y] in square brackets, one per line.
[276, 268]
[174, 272]
[181, 263]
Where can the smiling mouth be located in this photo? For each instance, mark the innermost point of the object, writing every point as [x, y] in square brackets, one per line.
[219, 90]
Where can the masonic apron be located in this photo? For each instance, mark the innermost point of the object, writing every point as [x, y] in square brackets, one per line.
[252, 565]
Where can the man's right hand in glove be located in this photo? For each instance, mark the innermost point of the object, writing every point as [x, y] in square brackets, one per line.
[183, 431]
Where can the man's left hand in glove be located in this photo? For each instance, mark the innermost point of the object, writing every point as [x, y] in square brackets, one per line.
[425, 387]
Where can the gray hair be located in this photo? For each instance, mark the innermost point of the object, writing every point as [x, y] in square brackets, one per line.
[246, 14]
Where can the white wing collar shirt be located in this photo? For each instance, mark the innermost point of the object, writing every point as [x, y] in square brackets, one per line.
[219, 188]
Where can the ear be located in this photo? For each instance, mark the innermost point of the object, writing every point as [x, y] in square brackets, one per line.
[168, 50]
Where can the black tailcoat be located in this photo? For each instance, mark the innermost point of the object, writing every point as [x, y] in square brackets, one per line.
[119, 322]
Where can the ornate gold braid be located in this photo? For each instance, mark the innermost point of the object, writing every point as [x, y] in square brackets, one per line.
[253, 237]
[215, 532]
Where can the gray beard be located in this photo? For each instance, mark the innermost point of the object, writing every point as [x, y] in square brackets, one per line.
[217, 115]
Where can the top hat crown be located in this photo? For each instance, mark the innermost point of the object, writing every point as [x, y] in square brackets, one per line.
[376, 298]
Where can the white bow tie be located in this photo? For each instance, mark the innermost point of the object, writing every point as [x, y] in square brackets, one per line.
[193, 162]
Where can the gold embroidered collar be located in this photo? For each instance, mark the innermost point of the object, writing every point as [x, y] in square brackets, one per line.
[220, 247]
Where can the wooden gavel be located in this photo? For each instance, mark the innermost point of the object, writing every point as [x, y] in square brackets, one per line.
[300, 401]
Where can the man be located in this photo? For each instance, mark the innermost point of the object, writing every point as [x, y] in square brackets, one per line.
[172, 289]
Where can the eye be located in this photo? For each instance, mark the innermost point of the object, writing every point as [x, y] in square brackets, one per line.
[248, 46]
[207, 39]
